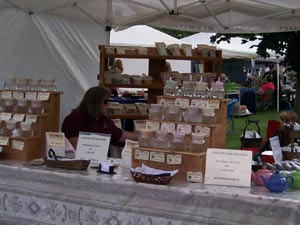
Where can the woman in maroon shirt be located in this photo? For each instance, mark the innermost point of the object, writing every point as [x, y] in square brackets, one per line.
[90, 116]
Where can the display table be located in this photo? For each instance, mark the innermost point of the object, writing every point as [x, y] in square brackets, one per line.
[40, 195]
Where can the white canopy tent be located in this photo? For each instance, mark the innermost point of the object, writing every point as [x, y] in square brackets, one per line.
[143, 35]
[60, 38]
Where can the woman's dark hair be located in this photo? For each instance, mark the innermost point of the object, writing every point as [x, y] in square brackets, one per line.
[92, 99]
[269, 78]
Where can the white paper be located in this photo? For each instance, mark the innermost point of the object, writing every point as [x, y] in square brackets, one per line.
[228, 167]
[93, 146]
[276, 149]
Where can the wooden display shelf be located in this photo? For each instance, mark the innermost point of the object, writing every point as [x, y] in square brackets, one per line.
[32, 149]
[190, 162]
[128, 116]
[29, 148]
[152, 85]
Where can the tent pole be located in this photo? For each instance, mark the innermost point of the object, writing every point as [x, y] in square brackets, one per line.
[278, 84]
[107, 35]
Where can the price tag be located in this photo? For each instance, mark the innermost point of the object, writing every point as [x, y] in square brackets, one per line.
[18, 95]
[213, 104]
[169, 127]
[18, 117]
[5, 116]
[166, 102]
[44, 96]
[31, 95]
[18, 145]
[184, 128]
[157, 156]
[203, 130]
[4, 140]
[183, 102]
[152, 125]
[194, 177]
[173, 159]
[31, 118]
[6, 94]
[201, 103]
[142, 155]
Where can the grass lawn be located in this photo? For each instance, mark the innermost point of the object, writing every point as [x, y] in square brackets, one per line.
[233, 139]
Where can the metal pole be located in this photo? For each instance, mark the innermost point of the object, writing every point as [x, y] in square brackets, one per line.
[278, 84]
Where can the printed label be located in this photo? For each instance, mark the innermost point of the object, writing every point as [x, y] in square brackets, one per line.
[18, 117]
[157, 156]
[152, 125]
[174, 159]
[4, 140]
[31, 95]
[18, 95]
[201, 103]
[182, 102]
[143, 155]
[6, 94]
[184, 128]
[169, 127]
[194, 177]
[203, 130]
[18, 145]
[166, 102]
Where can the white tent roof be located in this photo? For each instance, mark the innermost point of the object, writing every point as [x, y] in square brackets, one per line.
[234, 49]
[143, 35]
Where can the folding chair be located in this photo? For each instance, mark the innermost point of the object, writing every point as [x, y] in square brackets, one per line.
[230, 118]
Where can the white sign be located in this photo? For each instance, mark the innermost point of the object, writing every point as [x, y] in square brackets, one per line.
[228, 167]
[276, 149]
[92, 146]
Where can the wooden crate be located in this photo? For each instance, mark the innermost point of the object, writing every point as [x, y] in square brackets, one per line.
[190, 162]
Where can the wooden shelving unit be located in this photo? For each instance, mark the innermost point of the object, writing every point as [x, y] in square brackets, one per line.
[35, 146]
[190, 163]
[156, 66]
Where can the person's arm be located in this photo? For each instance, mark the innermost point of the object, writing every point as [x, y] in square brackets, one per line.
[260, 91]
[128, 135]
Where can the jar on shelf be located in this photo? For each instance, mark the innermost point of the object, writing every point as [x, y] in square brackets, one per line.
[9, 104]
[180, 141]
[10, 83]
[192, 114]
[162, 139]
[22, 106]
[200, 90]
[171, 88]
[173, 113]
[145, 138]
[187, 89]
[10, 126]
[208, 116]
[25, 129]
[217, 89]
[197, 143]
[157, 112]
[36, 106]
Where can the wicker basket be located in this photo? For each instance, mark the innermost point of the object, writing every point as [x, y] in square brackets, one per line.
[70, 164]
[151, 179]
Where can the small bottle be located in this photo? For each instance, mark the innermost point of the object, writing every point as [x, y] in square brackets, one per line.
[171, 88]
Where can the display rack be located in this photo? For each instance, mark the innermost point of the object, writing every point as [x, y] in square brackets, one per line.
[29, 148]
[156, 65]
[191, 165]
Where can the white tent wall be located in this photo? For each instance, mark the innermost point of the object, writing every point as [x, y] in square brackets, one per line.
[143, 35]
[43, 46]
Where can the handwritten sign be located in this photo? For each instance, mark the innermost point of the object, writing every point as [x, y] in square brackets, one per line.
[276, 149]
[92, 146]
[228, 167]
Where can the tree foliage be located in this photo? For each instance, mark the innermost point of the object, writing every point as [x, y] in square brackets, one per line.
[286, 44]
